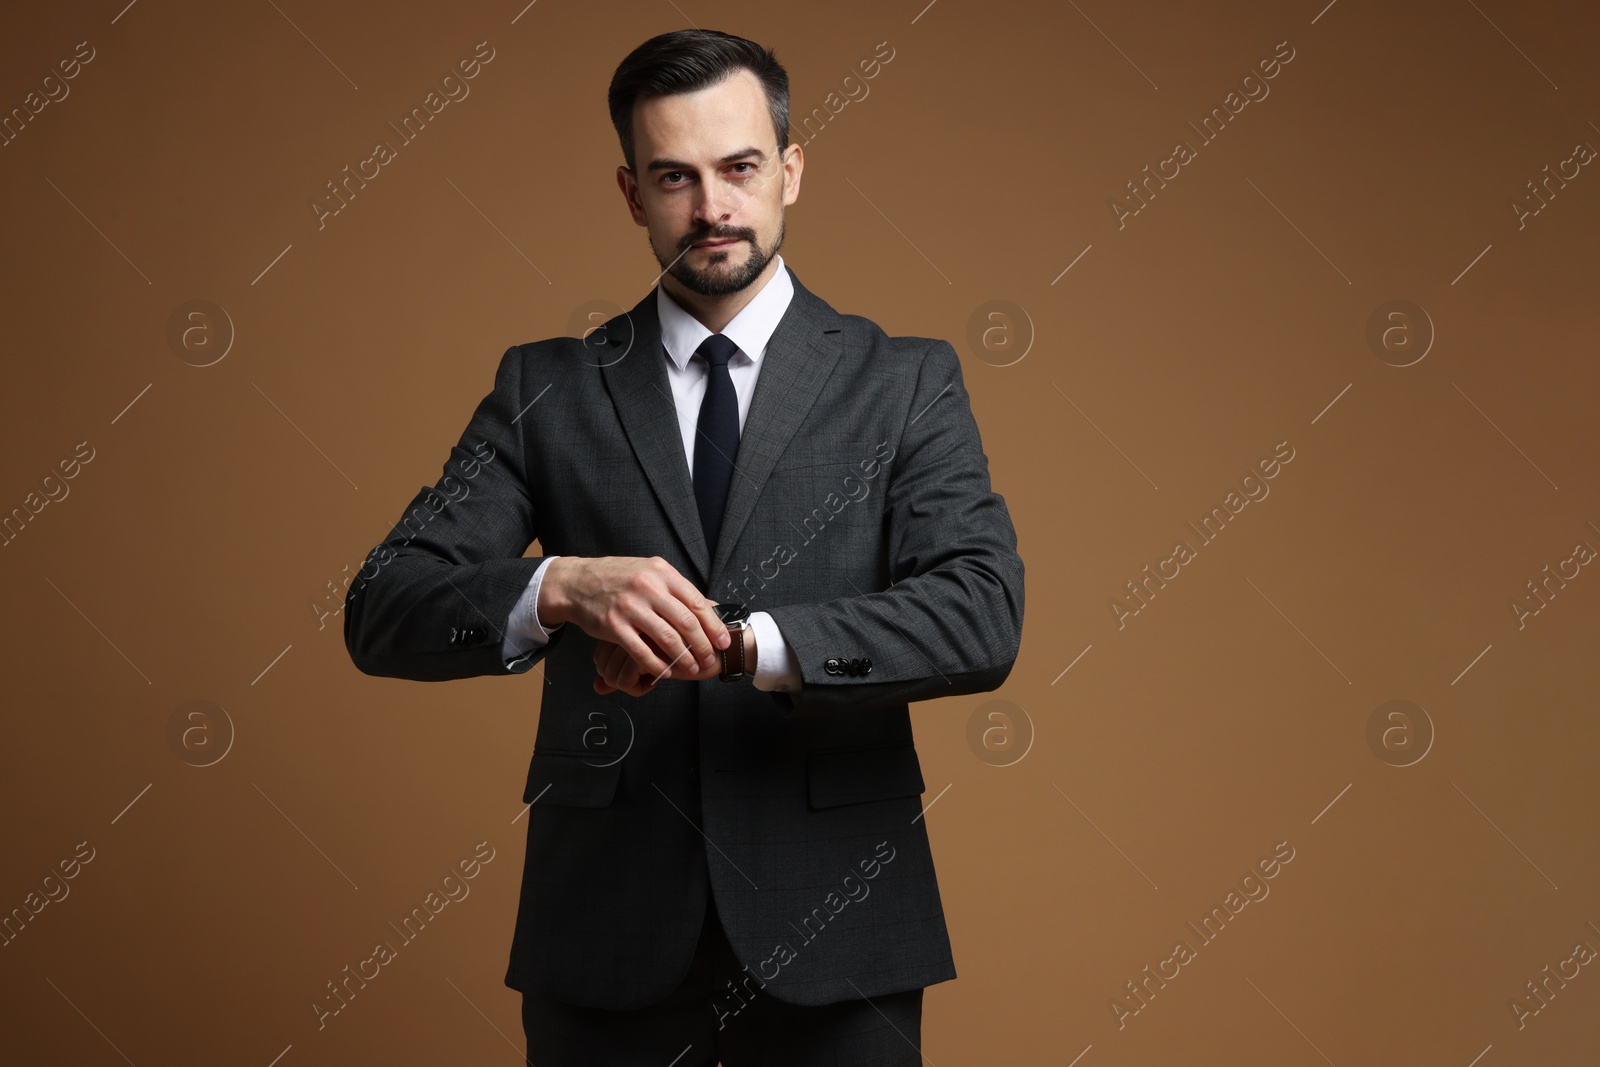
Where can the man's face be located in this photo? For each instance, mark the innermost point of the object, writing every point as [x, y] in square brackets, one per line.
[711, 185]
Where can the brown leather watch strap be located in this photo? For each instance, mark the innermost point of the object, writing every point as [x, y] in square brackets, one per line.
[734, 658]
[733, 665]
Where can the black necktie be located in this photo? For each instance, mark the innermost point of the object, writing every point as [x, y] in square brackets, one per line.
[717, 439]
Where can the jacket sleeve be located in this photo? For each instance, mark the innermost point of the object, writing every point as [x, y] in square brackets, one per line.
[432, 600]
[951, 621]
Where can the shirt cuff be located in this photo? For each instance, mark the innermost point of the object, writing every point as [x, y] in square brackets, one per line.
[523, 630]
[777, 668]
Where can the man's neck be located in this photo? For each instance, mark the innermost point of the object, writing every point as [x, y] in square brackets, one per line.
[715, 312]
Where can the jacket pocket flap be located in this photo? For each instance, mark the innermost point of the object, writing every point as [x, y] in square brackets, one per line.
[571, 779]
[854, 775]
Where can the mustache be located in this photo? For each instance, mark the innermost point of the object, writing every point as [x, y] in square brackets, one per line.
[718, 235]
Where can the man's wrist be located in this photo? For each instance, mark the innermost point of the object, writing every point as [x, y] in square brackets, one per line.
[550, 609]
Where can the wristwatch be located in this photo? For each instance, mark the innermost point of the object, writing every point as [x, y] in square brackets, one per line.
[735, 617]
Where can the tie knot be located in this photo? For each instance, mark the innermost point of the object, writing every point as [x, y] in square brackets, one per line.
[717, 350]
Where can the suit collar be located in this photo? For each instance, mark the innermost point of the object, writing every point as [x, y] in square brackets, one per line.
[799, 358]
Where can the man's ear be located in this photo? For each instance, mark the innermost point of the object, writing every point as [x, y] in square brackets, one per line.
[791, 181]
[630, 193]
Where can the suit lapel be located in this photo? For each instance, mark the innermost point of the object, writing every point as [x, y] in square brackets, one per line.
[798, 362]
[635, 371]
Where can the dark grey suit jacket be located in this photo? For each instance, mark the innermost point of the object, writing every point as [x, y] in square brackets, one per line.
[860, 516]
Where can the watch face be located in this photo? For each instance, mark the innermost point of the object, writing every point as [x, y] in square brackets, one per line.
[731, 613]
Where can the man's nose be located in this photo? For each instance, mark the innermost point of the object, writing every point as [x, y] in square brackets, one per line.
[717, 205]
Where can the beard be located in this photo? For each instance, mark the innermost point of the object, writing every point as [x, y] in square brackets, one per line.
[720, 278]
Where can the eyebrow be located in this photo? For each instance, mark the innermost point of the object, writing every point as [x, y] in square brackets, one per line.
[732, 157]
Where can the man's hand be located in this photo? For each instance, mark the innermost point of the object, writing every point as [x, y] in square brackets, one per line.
[653, 616]
[615, 669]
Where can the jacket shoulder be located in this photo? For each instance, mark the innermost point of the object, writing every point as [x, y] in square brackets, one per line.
[905, 352]
[560, 349]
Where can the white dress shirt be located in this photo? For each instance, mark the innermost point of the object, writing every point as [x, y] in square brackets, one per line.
[681, 335]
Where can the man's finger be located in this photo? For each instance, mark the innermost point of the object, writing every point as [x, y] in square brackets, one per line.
[670, 642]
[641, 652]
[603, 668]
[623, 672]
[705, 632]
[627, 673]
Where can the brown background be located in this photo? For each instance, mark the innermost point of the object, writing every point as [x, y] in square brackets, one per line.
[1231, 314]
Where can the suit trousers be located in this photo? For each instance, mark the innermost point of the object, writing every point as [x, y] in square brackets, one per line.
[703, 1023]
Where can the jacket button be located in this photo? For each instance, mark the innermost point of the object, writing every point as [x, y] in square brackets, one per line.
[694, 773]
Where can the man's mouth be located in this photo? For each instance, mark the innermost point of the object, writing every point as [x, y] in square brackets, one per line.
[717, 242]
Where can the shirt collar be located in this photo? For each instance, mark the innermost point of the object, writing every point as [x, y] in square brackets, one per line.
[750, 329]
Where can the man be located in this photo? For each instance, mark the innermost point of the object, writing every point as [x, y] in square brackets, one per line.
[726, 852]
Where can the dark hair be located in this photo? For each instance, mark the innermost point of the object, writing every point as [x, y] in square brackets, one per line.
[684, 61]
